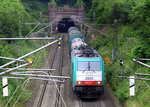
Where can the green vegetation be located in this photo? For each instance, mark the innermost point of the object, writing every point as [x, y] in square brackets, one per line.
[71, 3]
[11, 12]
[133, 42]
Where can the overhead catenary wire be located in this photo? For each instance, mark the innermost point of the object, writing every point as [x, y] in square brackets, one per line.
[22, 92]
[30, 69]
[144, 59]
[36, 75]
[134, 78]
[17, 99]
[12, 95]
[18, 85]
[15, 90]
[136, 60]
[32, 23]
[32, 29]
[26, 82]
[133, 71]
[39, 103]
[128, 68]
[11, 59]
[78, 20]
[57, 87]
[28, 54]
[48, 65]
[31, 38]
[55, 20]
[142, 74]
[15, 68]
[43, 89]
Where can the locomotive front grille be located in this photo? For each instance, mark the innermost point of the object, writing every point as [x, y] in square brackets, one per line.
[89, 91]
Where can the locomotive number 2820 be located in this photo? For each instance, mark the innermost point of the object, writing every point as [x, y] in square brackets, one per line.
[88, 78]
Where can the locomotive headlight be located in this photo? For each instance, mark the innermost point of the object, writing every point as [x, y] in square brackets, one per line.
[98, 82]
[79, 82]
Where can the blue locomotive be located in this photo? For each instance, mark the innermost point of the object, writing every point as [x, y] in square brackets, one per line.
[87, 67]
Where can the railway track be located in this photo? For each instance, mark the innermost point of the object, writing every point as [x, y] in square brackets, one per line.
[103, 101]
[89, 104]
[54, 94]
[51, 60]
[59, 96]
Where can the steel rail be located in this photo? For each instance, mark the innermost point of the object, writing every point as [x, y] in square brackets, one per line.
[52, 55]
[49, 65]
[58, 94]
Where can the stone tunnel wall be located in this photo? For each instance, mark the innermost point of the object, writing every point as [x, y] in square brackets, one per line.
[65, 12]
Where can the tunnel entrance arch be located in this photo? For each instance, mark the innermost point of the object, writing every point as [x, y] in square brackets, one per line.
[64, 24]
[66, 20]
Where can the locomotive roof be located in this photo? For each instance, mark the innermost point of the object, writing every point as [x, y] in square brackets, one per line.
[80, 53]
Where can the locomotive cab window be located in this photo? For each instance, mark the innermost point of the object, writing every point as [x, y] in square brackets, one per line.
[82, 66]
[88, 66]
[95, 66]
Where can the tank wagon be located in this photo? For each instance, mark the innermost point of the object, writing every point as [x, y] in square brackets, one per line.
[87, 66]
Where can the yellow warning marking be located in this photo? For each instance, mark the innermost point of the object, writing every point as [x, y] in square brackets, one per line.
[30, 60]
[107, 61]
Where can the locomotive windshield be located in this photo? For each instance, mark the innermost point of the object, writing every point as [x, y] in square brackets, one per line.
[88, 66]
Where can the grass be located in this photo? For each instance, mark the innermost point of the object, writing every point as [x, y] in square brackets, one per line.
[26, 46]
[126, 44]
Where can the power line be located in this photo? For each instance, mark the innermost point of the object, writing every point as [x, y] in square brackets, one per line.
[32, 29]
[12, 59]
[57, 87]
[142, 74]
[33, 38]
[78, 20]
[12, 69]
[28, 54]
[29, 69]
[134, 78]
[133, 71]
[12, 95]
[136, 60]
[26, 83]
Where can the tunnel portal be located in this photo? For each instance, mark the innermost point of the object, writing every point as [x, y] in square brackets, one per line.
[64, 25]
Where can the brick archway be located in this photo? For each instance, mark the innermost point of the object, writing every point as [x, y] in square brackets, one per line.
[65, 13]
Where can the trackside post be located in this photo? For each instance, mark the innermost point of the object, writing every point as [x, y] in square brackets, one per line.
[132, 84]
[5, 86]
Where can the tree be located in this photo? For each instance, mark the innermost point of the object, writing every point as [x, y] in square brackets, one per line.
[10, 14]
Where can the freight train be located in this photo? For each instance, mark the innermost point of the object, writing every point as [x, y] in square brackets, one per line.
[87, 66]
